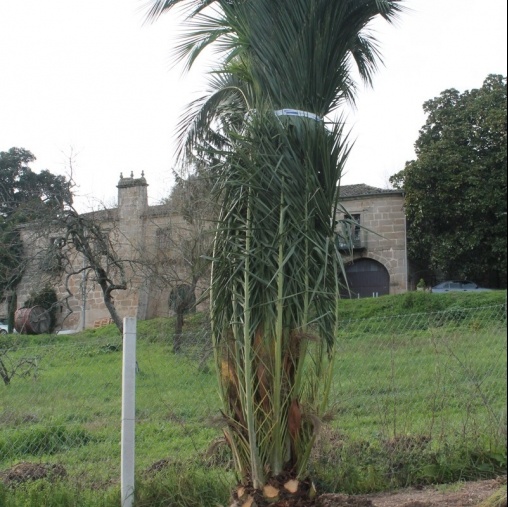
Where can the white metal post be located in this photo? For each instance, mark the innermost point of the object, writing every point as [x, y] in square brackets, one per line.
[128, 411]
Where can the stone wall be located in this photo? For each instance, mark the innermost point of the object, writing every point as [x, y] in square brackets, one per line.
[382, 233]
[81, 298]
[154, 236]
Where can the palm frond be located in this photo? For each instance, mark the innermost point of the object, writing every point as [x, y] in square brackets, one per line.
[155, 8]
[204, 30]
[204, 126]
[275, 273]
[306, 46]
[276, 270]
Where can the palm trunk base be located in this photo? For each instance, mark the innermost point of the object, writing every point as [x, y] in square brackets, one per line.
[282, 491]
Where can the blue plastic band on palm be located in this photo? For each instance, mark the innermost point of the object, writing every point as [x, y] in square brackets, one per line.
[296, 112]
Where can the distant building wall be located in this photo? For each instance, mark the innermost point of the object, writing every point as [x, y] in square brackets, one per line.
[382, 230]
[132, 231]
[152, 236]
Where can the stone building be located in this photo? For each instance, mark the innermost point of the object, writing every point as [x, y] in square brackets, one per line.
[371, 238]
[151, 243]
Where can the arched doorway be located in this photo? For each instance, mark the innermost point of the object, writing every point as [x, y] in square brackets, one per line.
[367, 278]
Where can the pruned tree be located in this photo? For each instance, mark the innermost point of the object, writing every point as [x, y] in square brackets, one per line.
[85, 235]
[182, 300]
[12, 365]
[70, 248]
[21, 367]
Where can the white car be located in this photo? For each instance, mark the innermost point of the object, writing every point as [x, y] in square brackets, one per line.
[458, 285]
[4, 328]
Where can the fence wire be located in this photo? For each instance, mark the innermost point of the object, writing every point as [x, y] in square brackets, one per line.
[441, 376]
[435, 374]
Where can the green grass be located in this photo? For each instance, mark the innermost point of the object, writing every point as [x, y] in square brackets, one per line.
[416, 399]
[77, 392]
[417, 302]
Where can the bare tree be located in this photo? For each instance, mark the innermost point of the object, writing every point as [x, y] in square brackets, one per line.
[21, 367]
[69, 251]
[184, 247]
[87, 236]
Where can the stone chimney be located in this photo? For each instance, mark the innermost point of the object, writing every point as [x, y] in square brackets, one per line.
[132, 208]
[132, 197]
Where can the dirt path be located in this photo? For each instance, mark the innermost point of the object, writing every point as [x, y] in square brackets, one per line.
[456, 495]
[467, 494]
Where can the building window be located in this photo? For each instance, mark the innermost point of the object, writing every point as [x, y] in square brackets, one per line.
[349, 233]
[102, 242]
[354, 226]
[52, 257]
[164, 239]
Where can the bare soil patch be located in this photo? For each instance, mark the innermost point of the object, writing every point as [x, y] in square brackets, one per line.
[23, 472]
[455, 495]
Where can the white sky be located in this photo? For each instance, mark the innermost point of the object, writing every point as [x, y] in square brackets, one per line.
[90, 77]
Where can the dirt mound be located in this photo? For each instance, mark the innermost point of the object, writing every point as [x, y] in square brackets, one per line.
[343, 501]
[466, 494]
[23, 472]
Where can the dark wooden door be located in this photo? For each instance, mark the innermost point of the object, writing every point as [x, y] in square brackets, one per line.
[367, 278]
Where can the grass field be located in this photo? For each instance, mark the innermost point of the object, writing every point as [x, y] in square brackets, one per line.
[417, 398]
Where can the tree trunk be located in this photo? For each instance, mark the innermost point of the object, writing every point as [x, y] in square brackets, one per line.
[12, 304]
[107, 289]
[4, 373]
[112, 311]
[178, 338]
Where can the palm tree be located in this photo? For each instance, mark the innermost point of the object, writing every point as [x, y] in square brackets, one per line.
[284, 67]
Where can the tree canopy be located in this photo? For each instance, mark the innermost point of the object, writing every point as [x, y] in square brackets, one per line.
[456, 187]
[24, 196]
[25, 192]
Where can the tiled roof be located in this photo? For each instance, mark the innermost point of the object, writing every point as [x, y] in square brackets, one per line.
[346, 191]
[102, 215]
[362, 189]
[159, 210]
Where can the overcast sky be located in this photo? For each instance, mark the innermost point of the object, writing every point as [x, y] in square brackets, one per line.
[90, 78]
